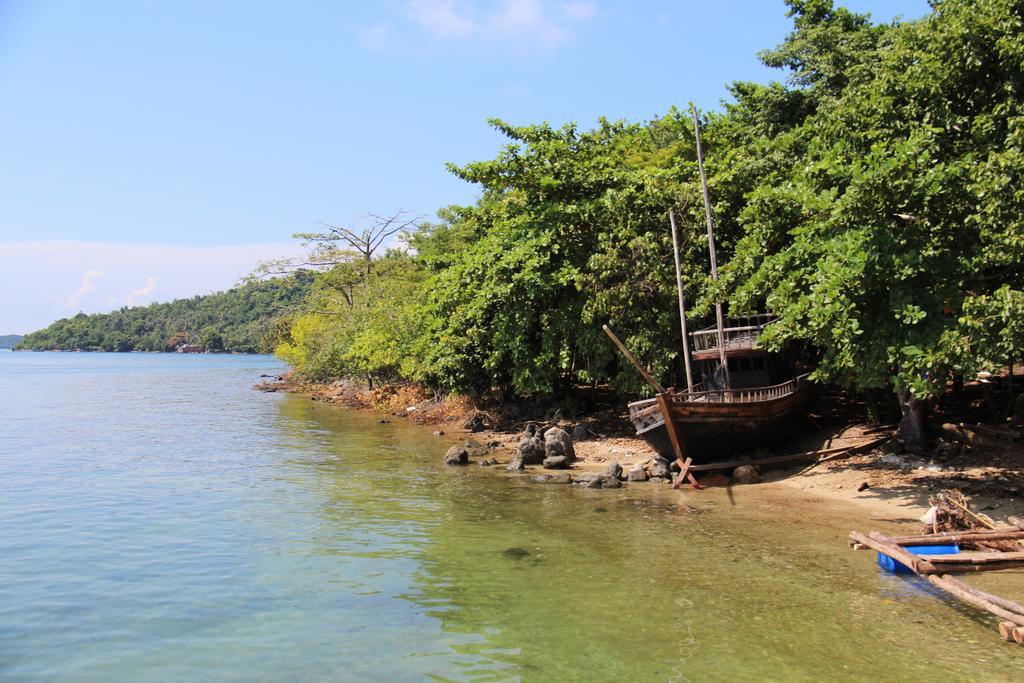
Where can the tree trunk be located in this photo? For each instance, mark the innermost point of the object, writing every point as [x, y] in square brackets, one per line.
[912, 424]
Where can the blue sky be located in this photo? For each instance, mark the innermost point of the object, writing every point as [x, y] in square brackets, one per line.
[131, 126]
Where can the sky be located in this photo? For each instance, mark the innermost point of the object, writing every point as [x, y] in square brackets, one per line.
[151, 150]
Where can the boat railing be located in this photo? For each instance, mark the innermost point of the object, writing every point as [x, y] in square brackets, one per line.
[750, 395]
[740, 333]
[647, 413]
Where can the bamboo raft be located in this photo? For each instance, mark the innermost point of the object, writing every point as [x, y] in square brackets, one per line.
[939, 569]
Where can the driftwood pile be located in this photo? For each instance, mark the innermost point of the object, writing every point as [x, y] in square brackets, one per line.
[950, 521]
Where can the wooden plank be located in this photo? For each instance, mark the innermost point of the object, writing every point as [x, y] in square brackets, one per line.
[975, 558]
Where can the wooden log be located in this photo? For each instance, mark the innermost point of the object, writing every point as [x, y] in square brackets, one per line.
[920, 564]
[966, 435]
[953, 568]
[777, 459]
[893, 551]
[997, 432]
[1018, 635]
[1016, 521]
[1006, 630]
[1008, 605]
[958, 537]
[971, 599]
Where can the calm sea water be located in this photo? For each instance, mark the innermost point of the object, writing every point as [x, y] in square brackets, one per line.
[160, 520]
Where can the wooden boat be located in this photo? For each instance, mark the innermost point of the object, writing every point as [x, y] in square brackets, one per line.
[760, 406]
[746, 397]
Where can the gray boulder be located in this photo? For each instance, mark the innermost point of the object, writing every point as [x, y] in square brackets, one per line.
[636, 473]
[580, 433]
[658, 467]
[746, 474]
[558, 442]
[456, 455]
[532, 449]
[613, 470]
[516, 465]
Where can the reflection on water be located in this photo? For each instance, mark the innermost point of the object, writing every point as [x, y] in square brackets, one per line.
[160, 520]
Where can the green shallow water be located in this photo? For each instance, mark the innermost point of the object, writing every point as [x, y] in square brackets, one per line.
[159, 520]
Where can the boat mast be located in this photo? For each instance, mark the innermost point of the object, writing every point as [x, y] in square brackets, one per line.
[682, 303]
[711, 245]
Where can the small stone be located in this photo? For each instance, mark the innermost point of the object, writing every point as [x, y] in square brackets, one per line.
[864, 486]
[611, 482]
[746, 474]
[456, 455]
[383, 422]
[516, 465]
[438, 433]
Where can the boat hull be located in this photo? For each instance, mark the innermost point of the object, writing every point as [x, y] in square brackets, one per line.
[709, 432]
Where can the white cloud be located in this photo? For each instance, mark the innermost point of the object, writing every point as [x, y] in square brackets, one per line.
[147, 289]
[109, 275]
[85, 287]
[441, 18]
[520, 24]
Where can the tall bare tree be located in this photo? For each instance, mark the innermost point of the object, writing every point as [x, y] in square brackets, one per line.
[364, 240]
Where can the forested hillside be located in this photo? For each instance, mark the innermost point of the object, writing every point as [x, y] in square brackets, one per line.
[242, 320]
[8, 341]
[872, 198]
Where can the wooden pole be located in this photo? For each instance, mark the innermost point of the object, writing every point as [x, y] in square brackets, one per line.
[719, 321]
[636, 364]
[945, 584]
[893, 551]
[682, 303]
[958, 537]
[1008, 605]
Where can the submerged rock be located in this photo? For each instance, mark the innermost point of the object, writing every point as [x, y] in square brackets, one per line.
[556, 462]
[456, 455]
[746, 474]
[516, 465]
[558, 442]
[474, 448]
[554, 478]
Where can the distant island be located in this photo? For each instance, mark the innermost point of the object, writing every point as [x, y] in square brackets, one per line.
[9, 341]
[240, 320]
